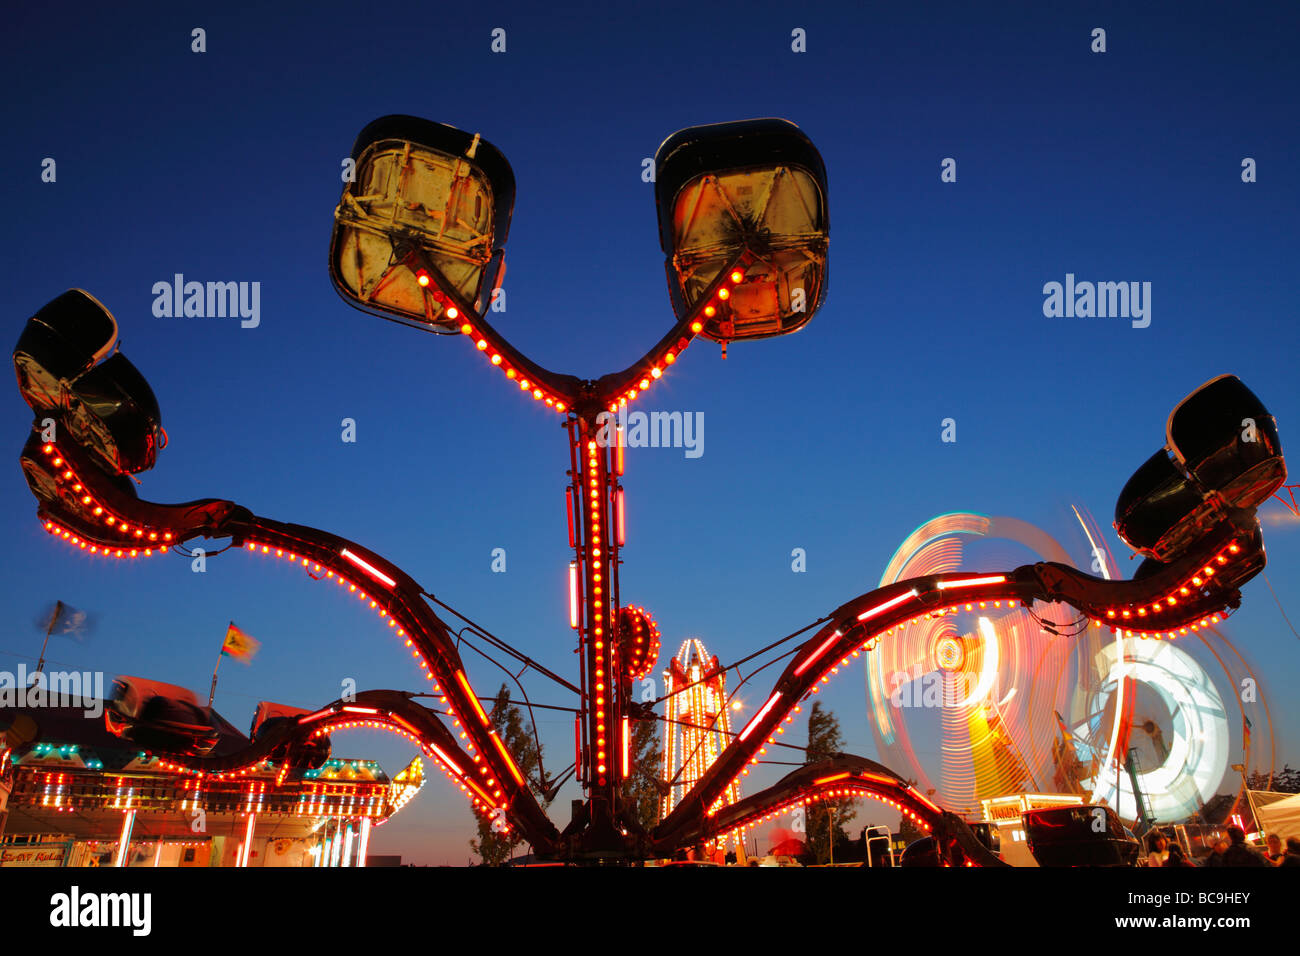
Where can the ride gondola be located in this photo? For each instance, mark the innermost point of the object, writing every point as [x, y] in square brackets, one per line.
[160, 717]
[426, 198]
[67, 369]
[1222, 456]
[748, 197]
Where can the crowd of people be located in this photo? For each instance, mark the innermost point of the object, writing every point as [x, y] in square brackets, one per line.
[1233, 850]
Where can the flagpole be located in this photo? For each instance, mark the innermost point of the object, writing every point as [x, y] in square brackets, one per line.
[212, 693]
[58, 607]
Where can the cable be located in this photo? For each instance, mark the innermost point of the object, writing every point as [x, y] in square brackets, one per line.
[1279, 604]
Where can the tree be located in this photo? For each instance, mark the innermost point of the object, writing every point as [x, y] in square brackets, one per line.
[493, 847]
[641, 788]
[1286, 780]
[825, 819]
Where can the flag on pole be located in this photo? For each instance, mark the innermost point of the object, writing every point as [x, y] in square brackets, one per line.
[1060, 722]
[1245, 733]
[239, 645]
[66, 620]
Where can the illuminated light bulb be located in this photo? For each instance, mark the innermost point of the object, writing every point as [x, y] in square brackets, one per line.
[496, 359]
[724, 294]
[524, 384]
[452, 312]
[481, 345]
[1110, 612]
[467, 329]
[669, 358]
[645, 383]
[655, 373]
[709, 311]
[737, 275]
[559, 406]
[696, 326]
[537, 394]
[422, 277]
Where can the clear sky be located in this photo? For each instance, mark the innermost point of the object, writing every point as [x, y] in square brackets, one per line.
[224, 166]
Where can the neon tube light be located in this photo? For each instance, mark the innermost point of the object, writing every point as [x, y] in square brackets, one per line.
[762, 712]
[627, 771]
[891, 603]
[124, 841]
[568, 507]
[478, 708]
[505, 754]
[480, 791]
[817, 653]
[445, 759]
[972, 582]
[832, 778]
[573, 595]
[365, 841]
[370, 569]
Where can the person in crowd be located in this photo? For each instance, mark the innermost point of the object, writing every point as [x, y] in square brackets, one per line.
[1216, 855]
[1157, 848]
[1275, 852]
[1292, 857]
[1177, 857]
[1241, 853]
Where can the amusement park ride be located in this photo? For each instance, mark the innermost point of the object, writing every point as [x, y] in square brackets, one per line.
[743, 221]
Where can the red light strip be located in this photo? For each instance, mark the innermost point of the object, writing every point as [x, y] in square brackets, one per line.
[891, 603]
[478, 708]
[655, 370]
[622, 529]
[568, 507]
[973, 582]
[479, 790]
[916, 795]
[573, 595]
[627, 763]
[757, 718]
[494, 355]
[808, 662]
[505, 755]
[832, 778]
[370, 569]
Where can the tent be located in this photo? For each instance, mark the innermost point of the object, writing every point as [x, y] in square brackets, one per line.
[1280, 816]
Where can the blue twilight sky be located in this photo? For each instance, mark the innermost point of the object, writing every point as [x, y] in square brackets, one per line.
[225, 166]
